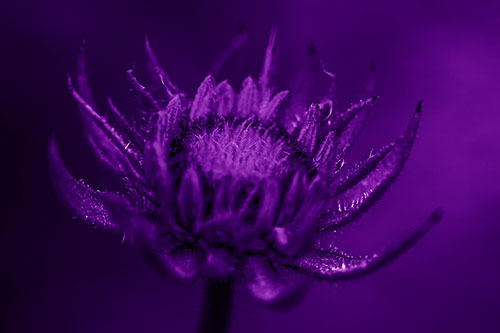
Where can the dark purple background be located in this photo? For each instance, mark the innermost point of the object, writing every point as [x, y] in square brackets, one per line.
[61, 276]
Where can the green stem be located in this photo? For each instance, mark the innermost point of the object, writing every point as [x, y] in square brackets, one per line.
[217, 307]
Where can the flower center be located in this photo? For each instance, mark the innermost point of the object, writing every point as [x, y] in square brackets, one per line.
[242, 151]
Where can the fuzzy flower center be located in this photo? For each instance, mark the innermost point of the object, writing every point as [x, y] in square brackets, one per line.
[242, 151]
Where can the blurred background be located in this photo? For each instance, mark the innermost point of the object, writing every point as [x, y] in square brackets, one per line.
[61, 276]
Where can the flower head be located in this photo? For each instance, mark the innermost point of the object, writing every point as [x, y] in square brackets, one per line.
[229, 184]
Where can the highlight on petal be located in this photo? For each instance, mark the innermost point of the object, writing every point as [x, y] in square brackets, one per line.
[335, 265]
[273, 284]
[157, 75]
[88, 204]
[367, 182]
[109, 146]
[204, 97]
[182, 261]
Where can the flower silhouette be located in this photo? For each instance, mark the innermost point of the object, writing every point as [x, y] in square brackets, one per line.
[235, 185]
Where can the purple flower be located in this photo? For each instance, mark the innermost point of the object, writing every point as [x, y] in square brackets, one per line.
[235, 185]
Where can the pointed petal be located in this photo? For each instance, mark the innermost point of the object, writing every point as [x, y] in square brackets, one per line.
[234, 45]
[335, 265]
[141, 91]
[125, 125]
[87, 203]
[248, 98]
[268, 63]
[190, 198]
[325, 150]
[157, 75]
[224, 100]
[202, 100]
[294, 237]
[82, 81]
[108, 144]
[274, 284]
[366, 183]
[269, 204]
[292, 199]
[308, 133]
[269, 108]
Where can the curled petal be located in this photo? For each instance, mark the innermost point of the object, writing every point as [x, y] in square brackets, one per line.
[274, 284]
[248, 98]
[335, 265]
[88, 204]
[202, 100]
[367, 182]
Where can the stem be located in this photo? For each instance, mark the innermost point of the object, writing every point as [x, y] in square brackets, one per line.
[217, 307]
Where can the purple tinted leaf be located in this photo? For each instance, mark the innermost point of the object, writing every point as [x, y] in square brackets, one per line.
[201, 105]
[88, 204]
[248, 98]
[368, 181]
[335, 265]
[274, 284]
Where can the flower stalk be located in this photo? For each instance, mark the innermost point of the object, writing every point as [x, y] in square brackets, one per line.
[217, 306]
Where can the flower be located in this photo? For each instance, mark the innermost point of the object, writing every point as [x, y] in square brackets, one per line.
[235, 185]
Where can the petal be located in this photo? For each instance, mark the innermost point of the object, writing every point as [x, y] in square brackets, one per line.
[292, 200]
[336, 265]
[366, 183]
[202, 100]
[224, 99]
[234, 45]
[190, 198]
[141, 91]
[309, 130]
[247, 103]
[269, 108]
[109, 146]
[88, 204]
[157, 76]
[183, 262]
[274, 284]
[267, 67]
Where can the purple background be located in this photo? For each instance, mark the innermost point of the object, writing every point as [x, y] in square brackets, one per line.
[62, 276]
